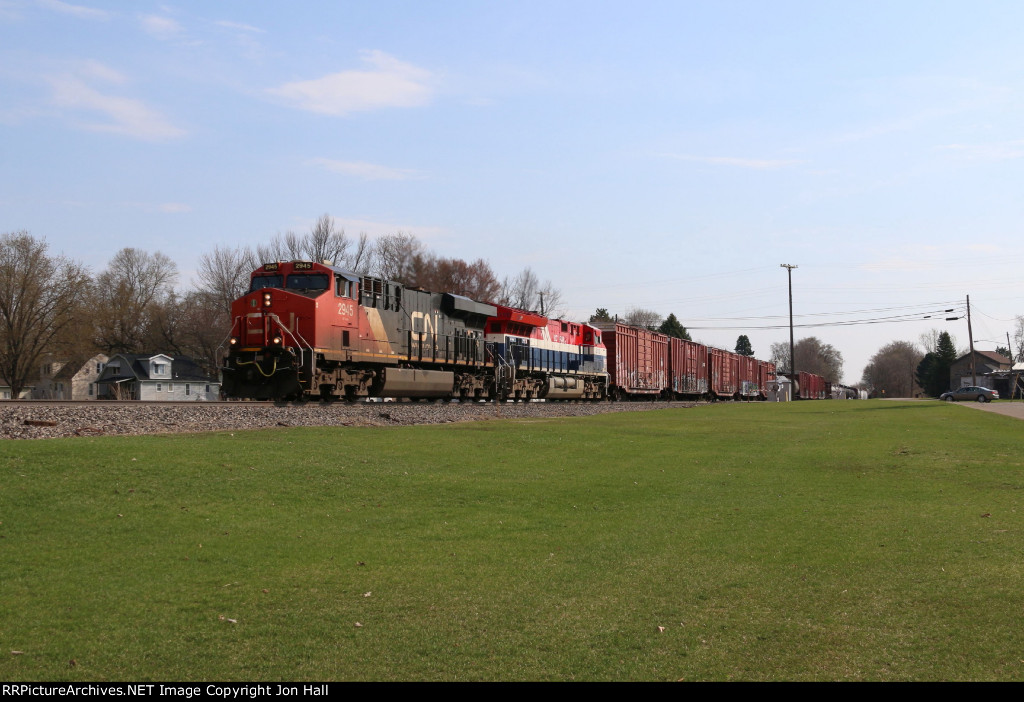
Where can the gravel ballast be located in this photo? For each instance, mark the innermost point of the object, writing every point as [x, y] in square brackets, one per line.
[28, 420]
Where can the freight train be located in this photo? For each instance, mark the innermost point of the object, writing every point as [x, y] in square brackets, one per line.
[309, 330]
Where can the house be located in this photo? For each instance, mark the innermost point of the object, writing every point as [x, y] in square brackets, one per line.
[5, 393]
[159, 377]
[985, 362]
[73, 379]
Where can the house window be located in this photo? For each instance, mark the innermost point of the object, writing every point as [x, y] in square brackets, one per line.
[158, 368]
[159, 387]
[188, 389]
[170, 387]
[99, 368]
[90, 389]
[207, 389]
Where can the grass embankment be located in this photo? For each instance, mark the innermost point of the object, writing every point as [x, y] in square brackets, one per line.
[820, 540]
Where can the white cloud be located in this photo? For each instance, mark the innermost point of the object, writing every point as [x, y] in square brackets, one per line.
[99, 71]
[366, 171]
[387, 82]
[75, 93]
[160, 27]
[75, 10]
[996, 151]
[754, 163]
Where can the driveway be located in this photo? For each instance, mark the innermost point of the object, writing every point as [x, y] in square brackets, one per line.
[1010, 409]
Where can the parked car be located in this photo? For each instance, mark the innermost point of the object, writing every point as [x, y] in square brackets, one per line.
[970, 392]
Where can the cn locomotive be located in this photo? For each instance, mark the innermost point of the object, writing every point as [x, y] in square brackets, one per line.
[312, 330]
[308, 330]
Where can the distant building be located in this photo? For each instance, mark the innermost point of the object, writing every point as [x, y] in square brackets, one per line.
[70, 379]
[156, 377]
[985, 363]
[5, 393]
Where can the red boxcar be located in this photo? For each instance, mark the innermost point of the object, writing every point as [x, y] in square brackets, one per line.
[766, 376]
[810, 386]
[687, 368]
[749, 380]
[724, 373]
[637, 360]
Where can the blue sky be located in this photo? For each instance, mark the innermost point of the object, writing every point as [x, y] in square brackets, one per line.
[667, 155]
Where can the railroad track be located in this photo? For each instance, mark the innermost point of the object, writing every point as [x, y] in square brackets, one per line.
[33, 419]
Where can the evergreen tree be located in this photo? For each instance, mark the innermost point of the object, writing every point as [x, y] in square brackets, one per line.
[673, 327]
[933, 371]
[743, 347]
[926, 373]
[600, 316]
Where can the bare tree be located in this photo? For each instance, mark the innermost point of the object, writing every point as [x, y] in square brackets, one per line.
[224, 274]
[521, 291]
[126, 298]
[361, 256]
[324, 242]
[526, 292]
[395, 256]
[812, 356]
[190, 325]
[640, 317]
[40, 297]
[1018, 340]
[891, 371]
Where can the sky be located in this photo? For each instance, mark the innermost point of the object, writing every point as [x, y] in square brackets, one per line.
[663, 155]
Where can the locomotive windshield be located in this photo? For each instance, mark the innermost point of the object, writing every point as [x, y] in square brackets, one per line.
[266, 281]
[308, 282]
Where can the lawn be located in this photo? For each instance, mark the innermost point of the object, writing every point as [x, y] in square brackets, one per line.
[846, 540]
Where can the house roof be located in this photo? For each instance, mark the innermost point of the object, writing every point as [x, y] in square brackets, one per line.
[182, 368]
[990, 355]
[71, 367]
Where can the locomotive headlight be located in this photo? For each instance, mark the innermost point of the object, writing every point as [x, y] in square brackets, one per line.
[277, 341]
[233, 341]
[266, 299]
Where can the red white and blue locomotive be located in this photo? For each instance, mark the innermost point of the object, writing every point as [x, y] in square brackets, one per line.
[312, 330]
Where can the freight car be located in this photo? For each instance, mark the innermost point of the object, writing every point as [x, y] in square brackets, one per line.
[309, 329]
[648, 364]
[810, 386]
[637, 361]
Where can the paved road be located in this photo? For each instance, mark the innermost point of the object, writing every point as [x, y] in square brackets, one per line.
[1010, 409]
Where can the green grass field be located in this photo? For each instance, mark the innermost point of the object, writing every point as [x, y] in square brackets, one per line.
[865, 540]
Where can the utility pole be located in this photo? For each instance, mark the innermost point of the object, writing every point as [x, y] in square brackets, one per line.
[970, 335]
[792, 355]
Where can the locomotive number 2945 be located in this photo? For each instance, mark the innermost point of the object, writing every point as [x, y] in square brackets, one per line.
[347, 308]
